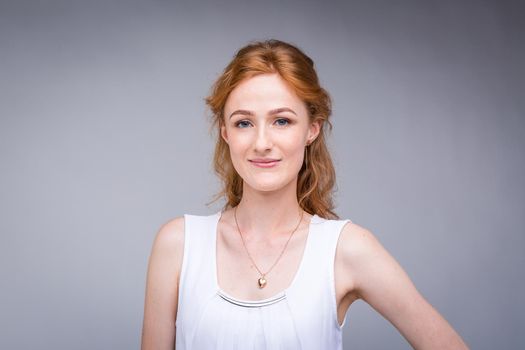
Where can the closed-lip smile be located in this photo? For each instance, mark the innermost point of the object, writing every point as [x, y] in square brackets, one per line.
[264, 162]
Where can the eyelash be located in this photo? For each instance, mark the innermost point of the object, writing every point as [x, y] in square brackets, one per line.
[285, 119]
[237, 124]
[288, 122]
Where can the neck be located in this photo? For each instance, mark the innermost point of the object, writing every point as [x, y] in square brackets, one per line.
[267, 215]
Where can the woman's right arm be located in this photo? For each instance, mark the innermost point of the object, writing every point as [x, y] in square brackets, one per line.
[162, 287]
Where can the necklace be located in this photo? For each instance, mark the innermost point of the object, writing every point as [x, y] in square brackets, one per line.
[262, 280]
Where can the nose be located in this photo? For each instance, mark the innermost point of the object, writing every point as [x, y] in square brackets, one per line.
[263, 140]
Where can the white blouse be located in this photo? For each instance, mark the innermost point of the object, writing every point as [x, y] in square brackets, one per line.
[303, 316]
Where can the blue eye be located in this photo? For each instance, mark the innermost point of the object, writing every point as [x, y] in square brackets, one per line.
[282, 122]
[242, 124]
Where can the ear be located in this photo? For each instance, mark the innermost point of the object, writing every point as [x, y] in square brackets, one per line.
[313, 131]
[224, 134]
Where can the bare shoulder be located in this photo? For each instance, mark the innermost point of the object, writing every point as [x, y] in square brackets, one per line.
[357, 242]
[363, 259]
[378, 279]
[170, 235]
[168, 247]
[165, 262]
[161, 300]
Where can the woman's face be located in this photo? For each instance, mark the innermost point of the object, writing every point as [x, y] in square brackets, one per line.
[267, 127]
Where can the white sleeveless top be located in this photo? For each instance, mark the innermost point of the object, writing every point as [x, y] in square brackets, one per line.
[303, 316]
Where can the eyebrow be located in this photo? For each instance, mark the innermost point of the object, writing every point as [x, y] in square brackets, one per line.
[273, 111]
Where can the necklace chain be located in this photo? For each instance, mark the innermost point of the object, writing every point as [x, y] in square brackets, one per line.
[262, 279]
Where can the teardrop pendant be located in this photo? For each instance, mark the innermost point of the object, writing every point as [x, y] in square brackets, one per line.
[262, 282]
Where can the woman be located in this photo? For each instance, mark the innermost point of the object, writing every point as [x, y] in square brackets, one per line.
[276, 268]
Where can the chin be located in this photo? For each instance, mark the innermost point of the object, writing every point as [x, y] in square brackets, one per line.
[268, 185]
[267, 189]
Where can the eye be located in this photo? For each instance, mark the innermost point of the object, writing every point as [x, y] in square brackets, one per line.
[242, 124]
[282, 121]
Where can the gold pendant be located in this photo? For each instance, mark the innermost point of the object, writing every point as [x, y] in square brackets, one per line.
[262, 282]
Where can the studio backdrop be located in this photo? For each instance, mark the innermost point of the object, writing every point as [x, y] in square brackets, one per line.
[104, 136]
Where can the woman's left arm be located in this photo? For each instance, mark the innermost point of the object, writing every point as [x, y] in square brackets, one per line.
[378, 279]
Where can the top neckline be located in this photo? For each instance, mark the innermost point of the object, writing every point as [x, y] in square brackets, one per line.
[261, 302]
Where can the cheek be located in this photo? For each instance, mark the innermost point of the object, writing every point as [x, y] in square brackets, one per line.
[295, 144]
[294, 153]
[238, 145]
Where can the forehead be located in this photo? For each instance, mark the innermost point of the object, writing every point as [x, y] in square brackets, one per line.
[264, 91]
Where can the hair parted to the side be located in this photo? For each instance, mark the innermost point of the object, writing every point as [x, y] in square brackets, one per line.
[316, 179]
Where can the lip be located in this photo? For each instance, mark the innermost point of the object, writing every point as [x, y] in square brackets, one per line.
[264, 162]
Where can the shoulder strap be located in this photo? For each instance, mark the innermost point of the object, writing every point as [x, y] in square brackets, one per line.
[197, 277]
[320, 250]
[312, 297]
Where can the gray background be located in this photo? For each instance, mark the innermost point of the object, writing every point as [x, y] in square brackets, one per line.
[104, 136]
